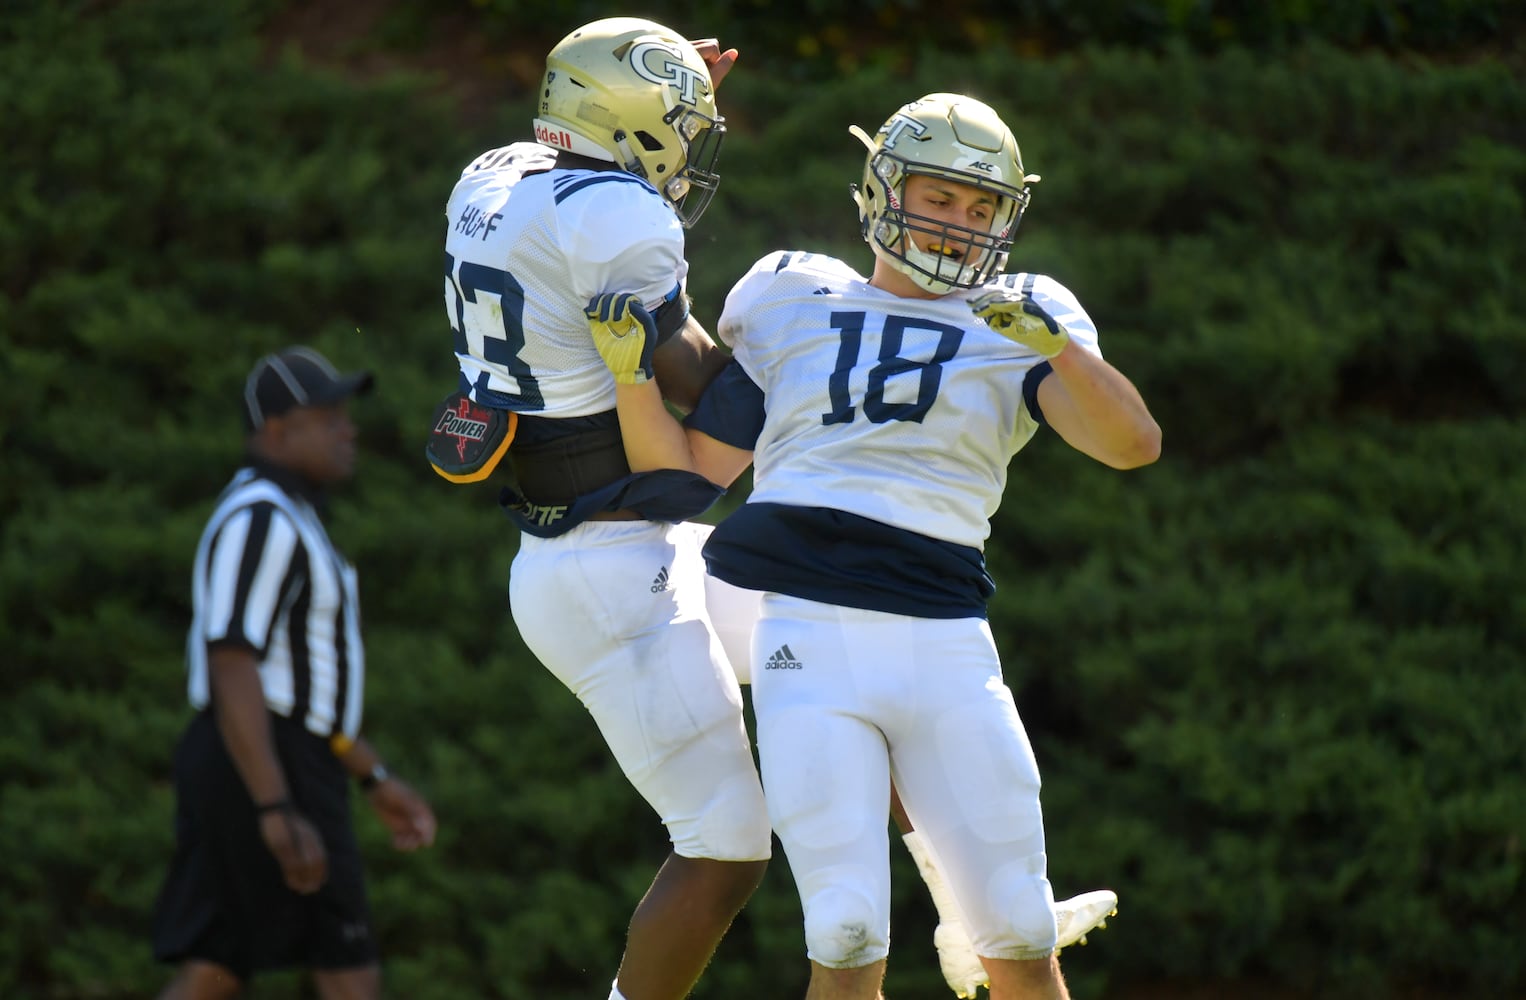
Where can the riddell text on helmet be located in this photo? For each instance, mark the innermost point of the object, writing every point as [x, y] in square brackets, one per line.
[557, 137]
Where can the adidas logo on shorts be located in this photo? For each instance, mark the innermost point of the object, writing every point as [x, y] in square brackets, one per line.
[783, 659]
[661, 582]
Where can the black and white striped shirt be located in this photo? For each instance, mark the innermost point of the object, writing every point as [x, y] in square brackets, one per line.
[267, 577]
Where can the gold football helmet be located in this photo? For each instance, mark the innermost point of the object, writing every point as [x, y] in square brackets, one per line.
[956, 138]
[633, 92]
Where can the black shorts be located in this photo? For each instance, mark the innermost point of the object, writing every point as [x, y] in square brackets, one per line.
[224, 899]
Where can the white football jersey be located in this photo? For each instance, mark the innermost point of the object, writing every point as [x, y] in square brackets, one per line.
[527, 246]
[903, 411]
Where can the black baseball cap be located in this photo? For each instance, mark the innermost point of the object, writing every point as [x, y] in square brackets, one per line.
[297, 376]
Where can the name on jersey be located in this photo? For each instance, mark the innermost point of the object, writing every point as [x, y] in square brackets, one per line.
[474, 222]
[559, 138]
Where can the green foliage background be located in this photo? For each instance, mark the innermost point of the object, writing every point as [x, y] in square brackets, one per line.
[1275, 682]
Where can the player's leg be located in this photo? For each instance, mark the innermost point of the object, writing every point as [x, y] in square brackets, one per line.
[693, 900]
[962, 969]
[975, 802]
[733, 613]
[199, 980]
[680, 921]
[816, 691]
[618, 616]
[1035, 979]
[349, 984]
[846, 984]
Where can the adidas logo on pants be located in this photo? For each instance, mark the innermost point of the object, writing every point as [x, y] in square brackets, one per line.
[783, 659]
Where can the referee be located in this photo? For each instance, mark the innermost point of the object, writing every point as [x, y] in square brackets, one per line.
[266, 872]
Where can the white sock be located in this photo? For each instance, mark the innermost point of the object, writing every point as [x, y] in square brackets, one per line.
[614, 991]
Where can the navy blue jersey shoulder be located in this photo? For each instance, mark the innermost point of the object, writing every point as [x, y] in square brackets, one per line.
[569, 185]
[792, 257]
[731, 409]
[834, 557]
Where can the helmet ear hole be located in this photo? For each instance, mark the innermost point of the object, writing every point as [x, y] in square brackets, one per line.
[650, 142]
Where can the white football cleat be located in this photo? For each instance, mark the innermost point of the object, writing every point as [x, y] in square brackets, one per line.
[1080, 915]
[957, 960]
[1074, 918]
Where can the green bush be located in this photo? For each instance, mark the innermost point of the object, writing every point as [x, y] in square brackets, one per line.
[827, 39]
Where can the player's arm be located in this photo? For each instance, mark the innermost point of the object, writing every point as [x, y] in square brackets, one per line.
[717, 461]
[724, 428]
[1087, 401]
[686, 362]
[653, 438]
[1097, 410]
[625, 333]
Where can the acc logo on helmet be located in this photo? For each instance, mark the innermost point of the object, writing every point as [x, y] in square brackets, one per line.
[656, 62]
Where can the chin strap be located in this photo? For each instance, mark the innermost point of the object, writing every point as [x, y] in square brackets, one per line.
[628, 160]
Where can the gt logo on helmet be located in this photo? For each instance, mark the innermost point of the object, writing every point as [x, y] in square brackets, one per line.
[899, 123]
[660, 64]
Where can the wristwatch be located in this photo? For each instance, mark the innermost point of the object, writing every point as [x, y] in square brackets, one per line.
[374, 777]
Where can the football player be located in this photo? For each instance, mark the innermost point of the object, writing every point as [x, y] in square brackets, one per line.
[607, 587]
[880, 415]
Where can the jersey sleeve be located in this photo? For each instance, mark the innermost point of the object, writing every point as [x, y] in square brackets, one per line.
[620, 236]
[731, 409]
[1031, 381]
[1059, 302]
[1062, 304]
[744, 295]
[253, 560]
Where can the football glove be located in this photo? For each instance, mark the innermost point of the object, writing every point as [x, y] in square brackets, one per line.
[625, 335]
[1014, 314]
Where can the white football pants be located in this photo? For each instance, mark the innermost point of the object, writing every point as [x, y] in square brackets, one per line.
[845, 699]
[616, 610]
